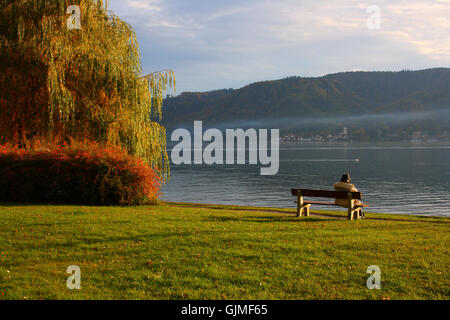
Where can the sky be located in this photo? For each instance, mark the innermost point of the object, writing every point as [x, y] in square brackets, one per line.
[216, 44]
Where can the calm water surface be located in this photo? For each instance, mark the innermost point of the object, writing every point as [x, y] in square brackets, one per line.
[393, 177]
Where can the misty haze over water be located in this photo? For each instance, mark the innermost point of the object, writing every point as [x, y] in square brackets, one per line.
[396, 118]
[368, 120]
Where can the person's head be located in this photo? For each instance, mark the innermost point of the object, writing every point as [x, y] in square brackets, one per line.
[346, 178]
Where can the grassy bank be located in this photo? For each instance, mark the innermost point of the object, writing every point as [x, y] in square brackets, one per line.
[183, 251]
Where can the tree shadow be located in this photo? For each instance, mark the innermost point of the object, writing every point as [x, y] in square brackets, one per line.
[266, 219]
[90, 240]
[16, 204]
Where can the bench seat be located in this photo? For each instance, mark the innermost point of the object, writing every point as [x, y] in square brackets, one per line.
[303, 206]
[325, 203]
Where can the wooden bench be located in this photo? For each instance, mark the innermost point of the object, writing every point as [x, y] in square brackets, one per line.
[303, 207]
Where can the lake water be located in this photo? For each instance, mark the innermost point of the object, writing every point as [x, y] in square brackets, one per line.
[393, 177]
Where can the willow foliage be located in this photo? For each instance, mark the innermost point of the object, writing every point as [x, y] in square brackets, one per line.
[58, 83]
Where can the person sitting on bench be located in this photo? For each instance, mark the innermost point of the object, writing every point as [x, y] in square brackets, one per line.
[346, 185]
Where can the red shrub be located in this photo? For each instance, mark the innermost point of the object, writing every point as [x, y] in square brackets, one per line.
[80, 173]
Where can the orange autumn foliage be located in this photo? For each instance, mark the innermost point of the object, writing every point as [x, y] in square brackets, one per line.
[78, 173]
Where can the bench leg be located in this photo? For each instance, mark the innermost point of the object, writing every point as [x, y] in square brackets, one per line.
[354, 214]
[306, 208]
[350, 206]
[361, 214]
[303, 210]
[301, 207]
[350, 213]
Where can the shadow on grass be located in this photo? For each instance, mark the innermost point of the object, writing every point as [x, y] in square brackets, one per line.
[71, 223]
[56, 205]
[43, 204]
[230, 207]
[91, 240]
[17, 204]
[268, 219]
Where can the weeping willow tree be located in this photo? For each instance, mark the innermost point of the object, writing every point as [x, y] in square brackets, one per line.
[59, 83]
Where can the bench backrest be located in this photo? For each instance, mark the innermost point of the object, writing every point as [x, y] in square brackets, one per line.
[326, 194]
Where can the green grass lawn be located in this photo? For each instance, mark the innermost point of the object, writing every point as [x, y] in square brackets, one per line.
[182, 251]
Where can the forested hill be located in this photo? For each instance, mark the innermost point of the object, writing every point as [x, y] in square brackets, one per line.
[381, 103]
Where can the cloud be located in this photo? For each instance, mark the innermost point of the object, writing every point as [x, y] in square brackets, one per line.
[217, 44]
[145, 5]
[423, 24]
